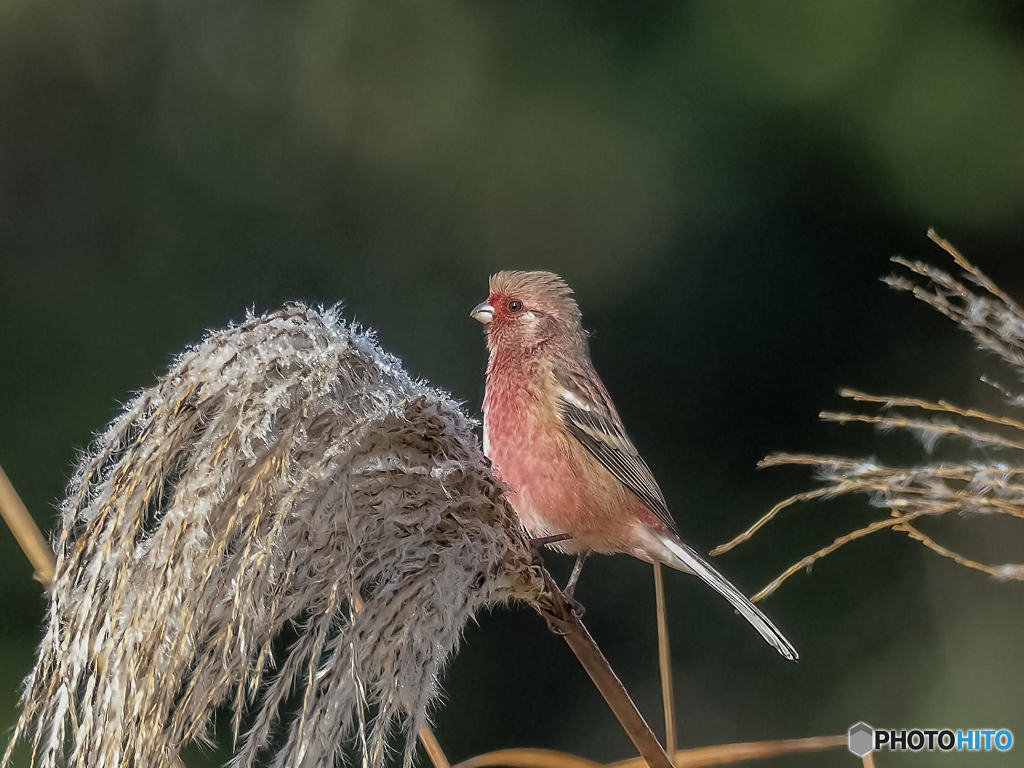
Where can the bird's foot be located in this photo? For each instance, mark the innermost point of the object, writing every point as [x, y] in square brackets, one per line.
[565, 609]
[571, 612]
[576, 607]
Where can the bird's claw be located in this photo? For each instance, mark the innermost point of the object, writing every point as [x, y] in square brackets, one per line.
[569, 612]
[576, 608]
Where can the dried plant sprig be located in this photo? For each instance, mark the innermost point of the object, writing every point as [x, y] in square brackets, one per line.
[942, 406]
[280, 468]
[976, 274]
[930, 431]
[994, 319]
[972, 487]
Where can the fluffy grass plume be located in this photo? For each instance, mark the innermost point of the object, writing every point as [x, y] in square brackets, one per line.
[911, 495]
[285, 476]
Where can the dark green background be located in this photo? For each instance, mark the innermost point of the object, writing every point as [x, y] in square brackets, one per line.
[721, 182]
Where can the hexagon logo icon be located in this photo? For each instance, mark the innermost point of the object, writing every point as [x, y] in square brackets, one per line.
[862, 739]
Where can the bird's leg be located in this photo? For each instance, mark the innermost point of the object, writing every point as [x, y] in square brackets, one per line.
[570, 585]
[537, 544]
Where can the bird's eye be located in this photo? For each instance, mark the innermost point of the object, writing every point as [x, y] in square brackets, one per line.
[515, 306]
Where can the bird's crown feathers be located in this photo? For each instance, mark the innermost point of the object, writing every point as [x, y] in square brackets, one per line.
[546, 287]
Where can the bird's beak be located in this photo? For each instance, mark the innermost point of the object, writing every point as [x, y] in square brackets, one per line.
[482, 313]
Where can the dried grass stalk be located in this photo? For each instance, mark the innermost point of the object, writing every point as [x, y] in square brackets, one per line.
[281, 470]
[668, 702]
[980, 487]
[700, 757]
[25, 531]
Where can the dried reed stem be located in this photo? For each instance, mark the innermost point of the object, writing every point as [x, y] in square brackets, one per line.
[839, 542]
[665, 661]
[529, 758]
[727, 754]
[432, 747]
[25, 531]
[701, 757]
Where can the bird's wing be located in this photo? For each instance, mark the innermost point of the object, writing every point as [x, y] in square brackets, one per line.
[591, 418]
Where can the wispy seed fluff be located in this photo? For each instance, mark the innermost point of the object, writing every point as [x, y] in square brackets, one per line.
[285, 476]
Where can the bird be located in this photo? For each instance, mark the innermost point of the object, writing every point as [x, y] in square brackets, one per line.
[555, 438]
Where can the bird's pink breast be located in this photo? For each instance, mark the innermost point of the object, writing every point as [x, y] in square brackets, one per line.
[553, 491]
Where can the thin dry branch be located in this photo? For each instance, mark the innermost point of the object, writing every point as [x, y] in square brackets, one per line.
[432, 747]
[806, 562]
[528, 758]
[1008, 571]
[771, 513]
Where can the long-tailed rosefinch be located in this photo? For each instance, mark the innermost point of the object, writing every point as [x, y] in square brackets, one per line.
[555, 438]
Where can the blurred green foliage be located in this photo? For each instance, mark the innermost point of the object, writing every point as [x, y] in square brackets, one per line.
[722, 182]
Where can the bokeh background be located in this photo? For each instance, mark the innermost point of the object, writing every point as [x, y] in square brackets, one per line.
[722, 183]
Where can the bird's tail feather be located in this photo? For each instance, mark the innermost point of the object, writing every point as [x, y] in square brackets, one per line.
[688, 560]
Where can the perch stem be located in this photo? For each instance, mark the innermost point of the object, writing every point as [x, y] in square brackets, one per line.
[665, 662]
[560, 616]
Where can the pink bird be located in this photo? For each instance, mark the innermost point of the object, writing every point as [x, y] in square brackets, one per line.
[554, 436]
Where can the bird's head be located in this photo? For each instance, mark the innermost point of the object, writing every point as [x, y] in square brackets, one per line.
[526, 309]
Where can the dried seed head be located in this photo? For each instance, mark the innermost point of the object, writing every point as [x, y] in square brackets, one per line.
[285, 472]
[911, 495]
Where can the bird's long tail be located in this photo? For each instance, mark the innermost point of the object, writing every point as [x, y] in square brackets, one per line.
[685, 559]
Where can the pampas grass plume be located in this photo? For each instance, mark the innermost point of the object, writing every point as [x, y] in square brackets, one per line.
[285, 476]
